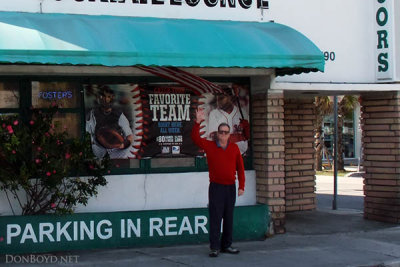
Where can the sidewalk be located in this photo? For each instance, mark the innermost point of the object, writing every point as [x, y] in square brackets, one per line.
[317, 238]
[314, 238]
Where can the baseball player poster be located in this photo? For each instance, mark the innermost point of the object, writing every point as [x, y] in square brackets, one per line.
[128, 121]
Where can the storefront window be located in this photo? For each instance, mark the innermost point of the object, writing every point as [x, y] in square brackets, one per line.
[124, 164]
[9, 95]
[63, 94]
[66, 95]
[7, 115]
[172, 162]
[144, 126]
[153, 121]
[69, 122]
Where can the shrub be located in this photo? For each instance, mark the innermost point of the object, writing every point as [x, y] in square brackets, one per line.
[45, 170]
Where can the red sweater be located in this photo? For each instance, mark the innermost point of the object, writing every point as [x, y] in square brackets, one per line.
[222, 164]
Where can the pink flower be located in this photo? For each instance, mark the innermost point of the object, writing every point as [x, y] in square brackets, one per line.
[10, 129]
[80, 153]
[117, 165]
[53, 205]
[108, 171]
[37, 161]
[54, 171]
[14, 152]
[31, 122]
[1, 239]
[39, 148]
[59, 142]
[16, 122]
[67, 155]
[48, 173]
[3, 125]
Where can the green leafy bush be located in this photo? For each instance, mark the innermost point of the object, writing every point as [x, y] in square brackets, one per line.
[45, 170]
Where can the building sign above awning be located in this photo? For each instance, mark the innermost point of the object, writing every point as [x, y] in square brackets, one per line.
[384, 26]
[126, 41]
[240, 10]
[360, 47]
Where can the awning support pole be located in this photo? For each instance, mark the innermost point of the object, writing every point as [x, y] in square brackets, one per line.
[335, 152]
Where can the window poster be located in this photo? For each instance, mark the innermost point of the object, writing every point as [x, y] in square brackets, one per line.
[129, 121]
[9, 95]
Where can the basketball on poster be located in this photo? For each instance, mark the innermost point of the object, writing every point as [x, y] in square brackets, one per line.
[128, 121]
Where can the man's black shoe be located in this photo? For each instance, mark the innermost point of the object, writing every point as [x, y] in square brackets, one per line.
[230, 250]
[213, 253]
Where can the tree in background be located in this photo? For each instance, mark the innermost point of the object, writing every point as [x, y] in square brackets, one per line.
[43, 169]
[324, 107]
[345, 108]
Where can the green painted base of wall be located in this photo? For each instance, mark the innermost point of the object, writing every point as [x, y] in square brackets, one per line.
[48, 233]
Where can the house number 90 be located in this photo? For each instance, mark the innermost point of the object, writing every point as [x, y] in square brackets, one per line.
[329, 56]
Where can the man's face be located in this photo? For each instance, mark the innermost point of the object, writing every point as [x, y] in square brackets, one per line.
[224, 101]
[106, 99]
[223, 134]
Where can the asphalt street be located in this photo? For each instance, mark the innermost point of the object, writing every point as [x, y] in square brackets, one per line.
[350, 192]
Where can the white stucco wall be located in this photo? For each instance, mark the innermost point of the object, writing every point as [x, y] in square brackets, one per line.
[152, 192]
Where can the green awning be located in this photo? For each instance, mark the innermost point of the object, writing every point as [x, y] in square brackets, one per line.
[63, 39]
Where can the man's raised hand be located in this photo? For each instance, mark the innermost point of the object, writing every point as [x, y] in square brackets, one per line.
[200, 115]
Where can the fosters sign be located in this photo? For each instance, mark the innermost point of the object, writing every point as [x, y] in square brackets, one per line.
[20, 234]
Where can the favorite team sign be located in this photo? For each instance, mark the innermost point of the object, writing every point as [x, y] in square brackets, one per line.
[128, 121]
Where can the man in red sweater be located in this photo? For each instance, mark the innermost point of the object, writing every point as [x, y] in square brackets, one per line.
[224, 160]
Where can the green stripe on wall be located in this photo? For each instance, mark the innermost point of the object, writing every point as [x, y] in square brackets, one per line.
[47, 233]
